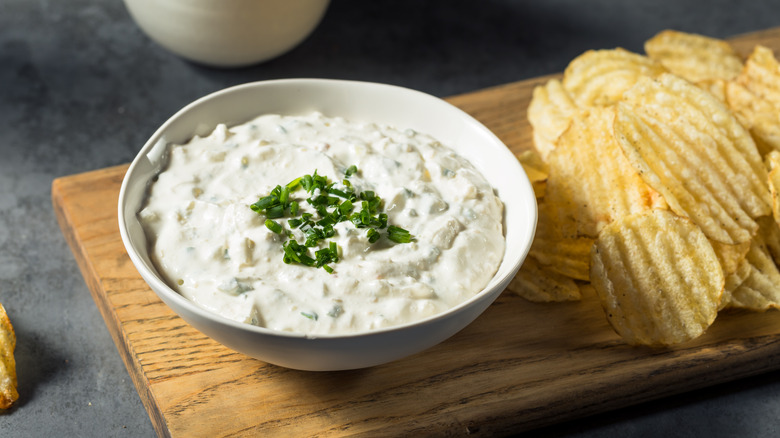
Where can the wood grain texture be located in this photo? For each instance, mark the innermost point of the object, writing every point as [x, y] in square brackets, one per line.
[519, 366]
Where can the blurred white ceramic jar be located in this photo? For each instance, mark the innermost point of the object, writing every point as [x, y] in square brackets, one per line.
[227, 33]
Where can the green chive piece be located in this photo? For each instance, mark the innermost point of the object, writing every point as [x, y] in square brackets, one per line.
[284, 197]
[273, 226]
[373, 235]
[313, 315]
[398, 234]
[265, 202]
[274, 212]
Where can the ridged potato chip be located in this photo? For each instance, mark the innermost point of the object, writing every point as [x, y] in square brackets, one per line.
[760, 290]
[549, 113]
[761, 75]
[657, 277]
[730, 256]
[8, 383]
[769, 230]
[536, 283]
[716, 87]
[773, 164]
[569, 256]
[691, 149]
[757, 115]
[590, 178]
[600, 77]
[733, 281]
[754, 96]
[694, 57]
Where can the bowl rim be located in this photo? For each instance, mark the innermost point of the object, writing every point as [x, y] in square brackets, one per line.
[170, 294]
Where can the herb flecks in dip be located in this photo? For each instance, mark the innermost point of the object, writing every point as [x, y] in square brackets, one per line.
[216, 251]
[332, 204]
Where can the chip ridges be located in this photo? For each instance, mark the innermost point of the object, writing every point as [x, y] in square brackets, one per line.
[686, 144]
[684, 220]
[694, 57]
[658, 278]
[549, 114]
[594, 198]
[600, 77]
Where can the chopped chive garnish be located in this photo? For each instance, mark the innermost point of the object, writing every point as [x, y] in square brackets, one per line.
[273, 226]
[332, 205]
[265, 202]
[313, 316]
[275, 212]
[285, 196]
[294, 223]
[292, 185]
[398, 234]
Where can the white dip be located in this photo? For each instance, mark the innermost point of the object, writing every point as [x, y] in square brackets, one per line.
[214, 250]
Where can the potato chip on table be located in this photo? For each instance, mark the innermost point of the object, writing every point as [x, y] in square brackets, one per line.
[730, 256]
[760, 289]
[773, 165]
[657, 277]
[590, 179]
[549, 113]
[761, 74]
[757, 115]
[694, 57]
[754, 96]
[686, 144]
[600, 77]
[536, 283]
[8, 383]
[563, 255]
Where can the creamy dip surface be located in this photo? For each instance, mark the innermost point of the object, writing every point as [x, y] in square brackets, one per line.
[216, 251]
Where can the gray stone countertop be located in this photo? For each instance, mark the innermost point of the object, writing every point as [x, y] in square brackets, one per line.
[82, 88]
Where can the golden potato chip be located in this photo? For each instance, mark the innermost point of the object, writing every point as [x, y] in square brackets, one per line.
[688, 146]
[769, 231]
[600, 77]
[8, 383]
[757, 115]
[773, 164]
[761, 75]
[549, 114]
[535, 283]
[755, 98]
[569, 256]
[733, 281]
[536, 169]
[716, 87]
[730, 256]
[694, 57]
[760, 290]
[657, 277]
[590, 180]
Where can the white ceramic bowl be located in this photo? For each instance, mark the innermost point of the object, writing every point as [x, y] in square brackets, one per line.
[227, 33]
[400, 107]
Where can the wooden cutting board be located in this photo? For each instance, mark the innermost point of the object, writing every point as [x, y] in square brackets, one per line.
[519, 366]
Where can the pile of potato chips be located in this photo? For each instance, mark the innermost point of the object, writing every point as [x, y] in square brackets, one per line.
[657, 179]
